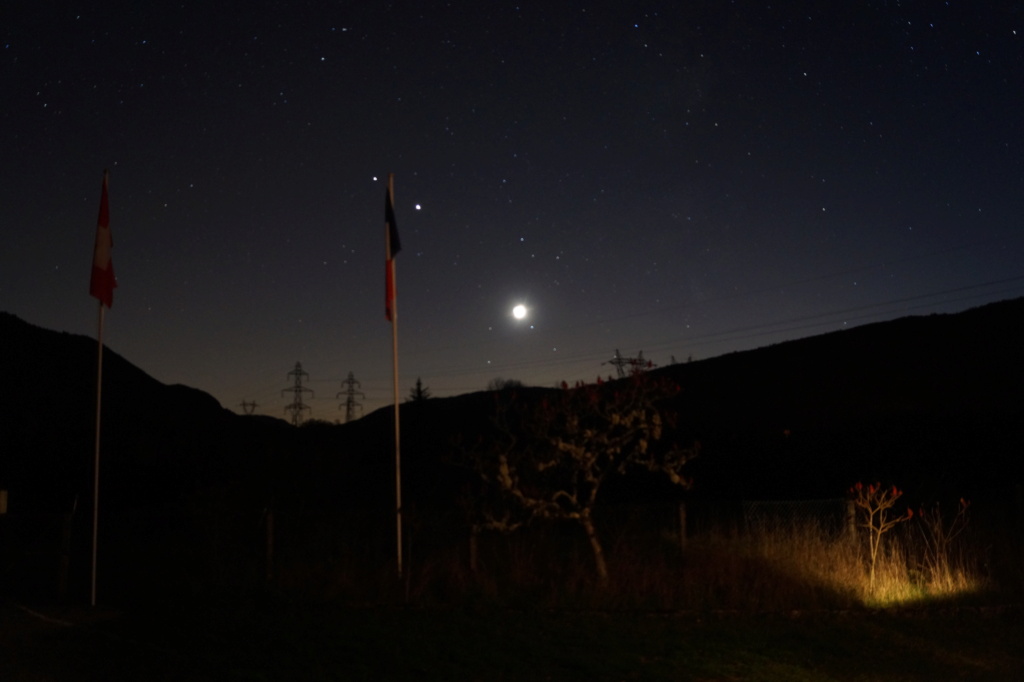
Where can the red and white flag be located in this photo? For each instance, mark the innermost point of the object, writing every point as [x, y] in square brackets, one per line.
[103, 282]
[393, 247]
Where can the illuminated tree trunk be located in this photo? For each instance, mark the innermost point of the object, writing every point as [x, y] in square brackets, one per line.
[595, 546]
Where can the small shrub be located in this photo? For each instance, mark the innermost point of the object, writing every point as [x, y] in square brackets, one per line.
[874, 505]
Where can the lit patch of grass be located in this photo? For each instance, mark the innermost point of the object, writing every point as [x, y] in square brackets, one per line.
[902, 578]
[802, 567]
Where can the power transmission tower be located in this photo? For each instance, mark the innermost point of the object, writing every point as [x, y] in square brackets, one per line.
[640, 365]
[248, 408]
[637, 364]
[619, 362]
[350, 397]
[297, 407]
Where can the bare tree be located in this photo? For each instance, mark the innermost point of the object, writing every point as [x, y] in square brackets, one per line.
[549, 458]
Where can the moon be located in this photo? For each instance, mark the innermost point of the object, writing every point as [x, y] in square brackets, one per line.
[519, 312]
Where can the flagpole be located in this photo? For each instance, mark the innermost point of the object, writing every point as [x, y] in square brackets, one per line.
[96, 458]
[394, 361]
[101, 286]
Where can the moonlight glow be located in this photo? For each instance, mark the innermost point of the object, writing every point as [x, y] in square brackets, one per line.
[519, 312]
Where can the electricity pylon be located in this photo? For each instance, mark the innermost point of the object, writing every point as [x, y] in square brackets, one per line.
[248, 408]
[637, 364]
[350, 397]
[297, 407]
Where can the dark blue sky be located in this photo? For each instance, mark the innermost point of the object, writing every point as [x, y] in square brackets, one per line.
[685, 179]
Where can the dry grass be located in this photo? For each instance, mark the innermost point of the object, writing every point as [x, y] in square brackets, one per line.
[802, 567]
[798, 567]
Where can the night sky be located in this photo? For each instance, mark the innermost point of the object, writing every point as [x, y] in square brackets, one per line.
[684, 179]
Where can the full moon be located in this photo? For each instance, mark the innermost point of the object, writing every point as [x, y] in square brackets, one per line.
[519, 312]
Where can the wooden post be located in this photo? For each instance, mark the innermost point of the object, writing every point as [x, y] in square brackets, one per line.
[474, 535]
[682, 526]
[65, 550]
[270, 545]
[851, 519]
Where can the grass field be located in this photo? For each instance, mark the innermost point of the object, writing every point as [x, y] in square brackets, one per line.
[793, 603]
[271, 640]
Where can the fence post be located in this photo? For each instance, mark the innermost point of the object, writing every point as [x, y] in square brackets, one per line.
[474, 533]
[1020, 504]
[67, 524]
[270, 545]
[851, 519]
[682, 526]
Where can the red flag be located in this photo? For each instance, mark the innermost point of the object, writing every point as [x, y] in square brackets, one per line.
[393, 247]
[103, 282]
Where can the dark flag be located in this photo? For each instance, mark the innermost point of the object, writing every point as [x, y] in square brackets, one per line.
[102, 282]
[394, 245]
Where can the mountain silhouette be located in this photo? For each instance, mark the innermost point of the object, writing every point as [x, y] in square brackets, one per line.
[933, 403]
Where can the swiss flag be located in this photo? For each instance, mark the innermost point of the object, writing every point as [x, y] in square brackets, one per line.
[103, 282]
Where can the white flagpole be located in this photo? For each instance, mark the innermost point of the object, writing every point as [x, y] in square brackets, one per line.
[394, 360]
[101, 286]
[96, 459]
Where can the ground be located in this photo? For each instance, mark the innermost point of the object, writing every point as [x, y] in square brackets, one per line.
[270, 640]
